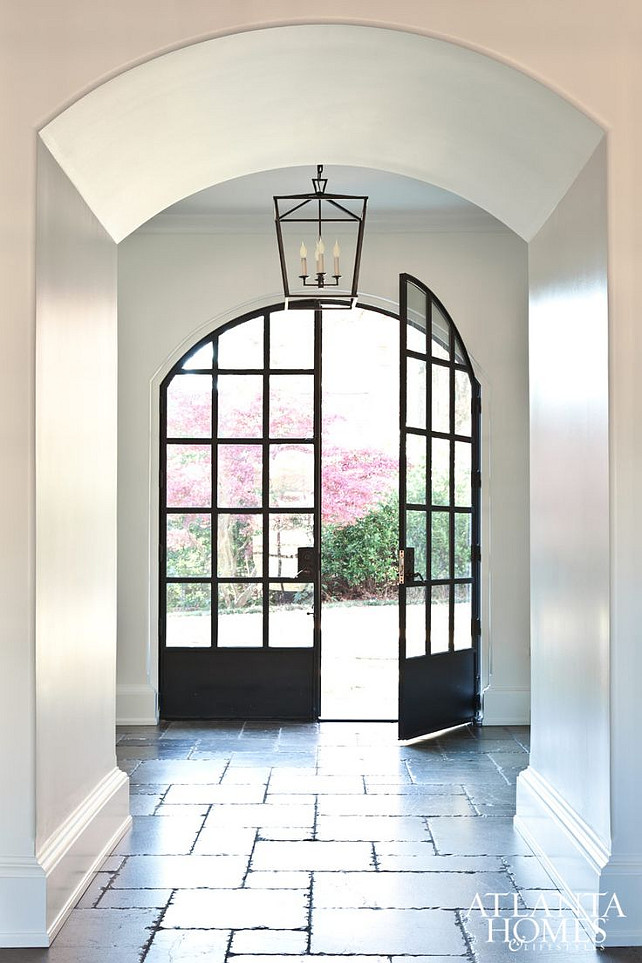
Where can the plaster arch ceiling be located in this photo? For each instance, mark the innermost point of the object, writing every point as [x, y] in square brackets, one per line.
[344, 95]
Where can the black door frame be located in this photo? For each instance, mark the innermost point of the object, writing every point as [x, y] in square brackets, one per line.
[437, 690]
[265, 667]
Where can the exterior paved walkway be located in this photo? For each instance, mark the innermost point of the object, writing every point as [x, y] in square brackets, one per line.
[269, 843]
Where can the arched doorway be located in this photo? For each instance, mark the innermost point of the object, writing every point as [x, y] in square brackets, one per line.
[296, 506]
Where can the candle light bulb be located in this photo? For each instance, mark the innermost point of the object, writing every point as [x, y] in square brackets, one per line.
[336, 251]
[320, 251]
[303, 252]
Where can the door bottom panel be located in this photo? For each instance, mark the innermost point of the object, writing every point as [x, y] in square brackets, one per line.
[219, 684]
[436, 692]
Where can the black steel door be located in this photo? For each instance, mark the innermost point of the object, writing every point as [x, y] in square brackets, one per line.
[240, 523]
[439, 551]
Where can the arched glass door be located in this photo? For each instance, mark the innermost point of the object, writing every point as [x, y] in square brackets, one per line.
[239, 547]
[256, 485]
[439, 551]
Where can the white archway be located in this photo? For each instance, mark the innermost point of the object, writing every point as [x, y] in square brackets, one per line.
[359, 96]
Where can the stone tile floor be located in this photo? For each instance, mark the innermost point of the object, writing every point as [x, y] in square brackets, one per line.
[268, 843]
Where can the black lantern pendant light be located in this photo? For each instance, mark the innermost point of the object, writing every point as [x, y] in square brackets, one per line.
[309, 271]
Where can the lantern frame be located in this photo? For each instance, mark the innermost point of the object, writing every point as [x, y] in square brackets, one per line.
[309, 209]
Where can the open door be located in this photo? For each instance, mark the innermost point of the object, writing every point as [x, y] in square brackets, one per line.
[439, 543]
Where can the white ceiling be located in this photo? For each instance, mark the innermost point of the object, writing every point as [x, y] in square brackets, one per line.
[245, 203]
[346, 95]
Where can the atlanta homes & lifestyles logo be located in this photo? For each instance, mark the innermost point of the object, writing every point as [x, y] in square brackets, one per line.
[555, 921]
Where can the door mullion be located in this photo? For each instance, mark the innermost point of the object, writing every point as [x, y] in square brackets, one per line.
[265, 481]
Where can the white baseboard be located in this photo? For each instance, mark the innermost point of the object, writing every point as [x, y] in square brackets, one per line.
[623, 876]
[570, 851]
[23, 902]
[136, 705]
[71, 855]
[507, 706]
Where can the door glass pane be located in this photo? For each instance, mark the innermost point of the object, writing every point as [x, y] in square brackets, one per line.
[439, 618]
[189, 406]
[440, 471]
[289, 533]
[440, 334]
[240, 546]
[416, 393]
[188, 615]
[440, 545]
[416, 538]
[440, 398]
[189, 476]
[292, 339]
[460, 356]
[239, 476]
[463, 616]
[463, 400]
[415, 621]
[242, 345]
[462, 545]
[291, 615]
[240, 406]
[463, 491]
[291, 476]
[240, 615]
[189, 546]
[201, 358]
[416, 469]
[417, 305]
[291, 406]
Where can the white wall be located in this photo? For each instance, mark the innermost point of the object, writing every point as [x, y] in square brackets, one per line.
[76, 381]
[570, 521]
[175, 287]
[51, 56]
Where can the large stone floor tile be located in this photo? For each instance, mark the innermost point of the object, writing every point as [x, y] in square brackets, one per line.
[385, 890]
[181, 946]
[413, 857]
[156, 835]
[311, 855]
[122, 932]
[269, 941]
[178, 770]
[208, 793]
[477, 836]
[135, 899]
[225, 842]
[528, 872]
[423, 804]
[237, 909]
[176, 872]
[262, 958]
[295, 784]
[372, 828]
[223, 816]
[279, 880]
[444, 788]
[387, 931]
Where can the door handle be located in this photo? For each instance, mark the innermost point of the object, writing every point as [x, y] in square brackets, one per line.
[407, 573]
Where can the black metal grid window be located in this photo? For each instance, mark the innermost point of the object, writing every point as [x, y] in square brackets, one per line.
[233, 514]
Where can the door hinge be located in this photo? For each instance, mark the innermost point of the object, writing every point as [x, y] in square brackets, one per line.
[477, 481]
[477, 406]
[476, 628]
[475, 553]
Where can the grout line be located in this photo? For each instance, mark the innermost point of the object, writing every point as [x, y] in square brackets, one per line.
[196, 838]
[155, 928]
[470, 953]
[308, 948]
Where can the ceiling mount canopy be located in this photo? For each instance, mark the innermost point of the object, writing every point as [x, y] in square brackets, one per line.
[333, 279]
